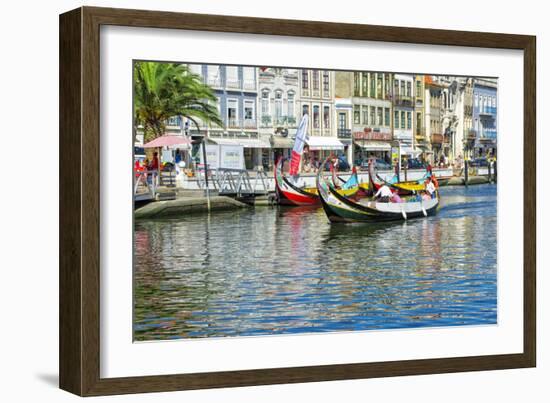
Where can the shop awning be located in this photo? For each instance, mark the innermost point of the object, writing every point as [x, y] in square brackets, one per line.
[246, 143]
[409, 150]
[324, 143]
[281, 142]
[374, 145]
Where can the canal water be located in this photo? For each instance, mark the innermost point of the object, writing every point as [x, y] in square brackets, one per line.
[285, 270]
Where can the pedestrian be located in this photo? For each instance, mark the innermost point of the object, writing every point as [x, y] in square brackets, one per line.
[430, 187]
[154, 165]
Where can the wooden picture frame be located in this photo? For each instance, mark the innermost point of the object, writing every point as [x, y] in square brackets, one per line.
[80, 199]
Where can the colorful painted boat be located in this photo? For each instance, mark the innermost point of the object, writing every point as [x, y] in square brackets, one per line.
[290, 193]
[341, 209]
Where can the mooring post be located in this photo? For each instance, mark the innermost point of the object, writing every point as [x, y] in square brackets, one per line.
[466, 172]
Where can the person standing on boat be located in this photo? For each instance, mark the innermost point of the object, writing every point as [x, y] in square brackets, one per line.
[430, 187]
[384, 194]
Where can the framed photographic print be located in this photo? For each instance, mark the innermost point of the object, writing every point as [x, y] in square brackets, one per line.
[248, 201]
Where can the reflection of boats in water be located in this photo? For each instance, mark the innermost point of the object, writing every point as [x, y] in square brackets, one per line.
[341, 209]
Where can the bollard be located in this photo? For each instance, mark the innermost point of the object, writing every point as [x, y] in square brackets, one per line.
[466, 172]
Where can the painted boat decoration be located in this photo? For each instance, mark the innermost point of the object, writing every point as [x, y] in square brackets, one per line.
[290, 193]
[341, 209]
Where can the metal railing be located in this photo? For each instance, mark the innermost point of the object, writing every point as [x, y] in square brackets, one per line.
[145, 186]
[234, 182]
[344, 133]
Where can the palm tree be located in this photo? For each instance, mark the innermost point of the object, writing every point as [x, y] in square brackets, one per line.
[164, 90]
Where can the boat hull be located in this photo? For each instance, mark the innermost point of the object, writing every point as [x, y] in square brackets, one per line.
[342, 210]
[291, 195]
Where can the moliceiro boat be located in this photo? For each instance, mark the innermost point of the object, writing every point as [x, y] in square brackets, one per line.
[290, 192]
[341, 209]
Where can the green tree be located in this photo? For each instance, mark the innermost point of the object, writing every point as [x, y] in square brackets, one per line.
[164, 90]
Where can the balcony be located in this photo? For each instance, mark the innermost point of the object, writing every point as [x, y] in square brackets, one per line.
[436, 138]
[402, 100]
[233, 123]
[344, 133]
[488, 111]
[470, 134]
[236, 84]
[249, 85]
[214, 82]
[249, 123]
[488, 135]
[266, 121]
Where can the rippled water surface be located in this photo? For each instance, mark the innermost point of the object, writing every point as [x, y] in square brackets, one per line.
[276, 270]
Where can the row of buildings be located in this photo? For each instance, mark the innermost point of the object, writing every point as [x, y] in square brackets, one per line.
[359, 114]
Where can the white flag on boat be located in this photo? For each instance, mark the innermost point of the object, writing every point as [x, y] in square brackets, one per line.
[298, 146]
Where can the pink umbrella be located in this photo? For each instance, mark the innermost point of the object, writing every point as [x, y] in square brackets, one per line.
[166, 141]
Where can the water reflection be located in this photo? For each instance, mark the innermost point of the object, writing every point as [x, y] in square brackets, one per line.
[287, 270]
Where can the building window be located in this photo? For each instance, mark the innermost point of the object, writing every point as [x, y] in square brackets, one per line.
[365, 84]
[365, 117]
[316, 121]
[380, 120]
[380, 78]
[342, 121]
[232, 112]
[305, 80]
[372, 86]
[418, 89]
[356, 84]
[326, 117]
[402, 91]
[387, 117]
[409, 89]
[372, 116]
[249, 78]
[396, 119]
[315, 79]
[290, 107]
[305, 110]
[409, 122]
[265, 103]
[326, 83]
[278, 105]
[396, 88]
[249, 110]
[418, 123]
[213, 75]
[387, 87]
[356, 115]
[232, 76]
[195, 69]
